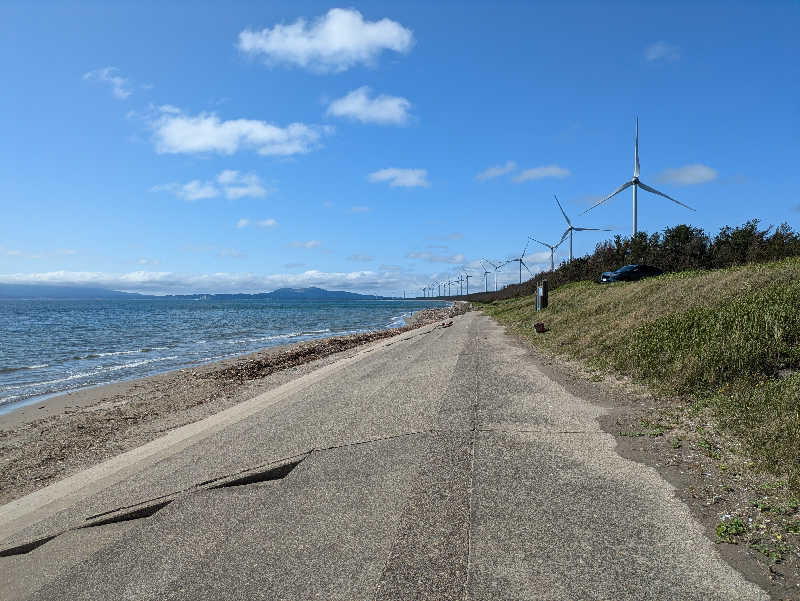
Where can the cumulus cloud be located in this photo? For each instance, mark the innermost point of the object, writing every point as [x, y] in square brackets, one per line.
[542, 172]
[661, 51]
[179, 133]
[496, 171]
[229, 183]
[687, 175]
[154, 282]
[432, 258]
[334, 42]
[120, 86]
[380, 109]
[406, 178]
[306, 244]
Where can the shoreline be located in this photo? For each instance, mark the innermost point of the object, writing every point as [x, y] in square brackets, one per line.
[14, 406]
[44, 442]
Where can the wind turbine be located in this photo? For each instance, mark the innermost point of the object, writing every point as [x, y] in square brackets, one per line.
[485, 278]
[468, 276]
[571, 228]
[636, 184]
[496, 267]
[552, 249]
[521, 261]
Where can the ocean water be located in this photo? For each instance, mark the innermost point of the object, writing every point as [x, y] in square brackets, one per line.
[54, 346]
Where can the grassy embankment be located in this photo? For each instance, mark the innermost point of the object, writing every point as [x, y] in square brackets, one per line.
[725, 341]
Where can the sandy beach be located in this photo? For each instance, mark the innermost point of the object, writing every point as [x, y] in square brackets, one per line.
[50, 440]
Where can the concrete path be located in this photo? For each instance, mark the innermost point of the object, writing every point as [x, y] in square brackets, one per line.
[437, 465]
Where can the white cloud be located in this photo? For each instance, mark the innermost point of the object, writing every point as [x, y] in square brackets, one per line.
[231, 184]
[179, 133]
[263, 223]
[688, 175]
[542, 172]
[661, 51]
[153, 282]
[241, 185]
[381, 109]
[431, 258]
[120, 86]
[197, 190]
[334, 42]
[407, 178]
[361, 258]
[496, 171]
[306, 244]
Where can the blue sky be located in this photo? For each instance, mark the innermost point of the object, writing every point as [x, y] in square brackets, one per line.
[376, 147]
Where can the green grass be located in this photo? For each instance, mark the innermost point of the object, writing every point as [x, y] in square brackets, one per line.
[729, 340]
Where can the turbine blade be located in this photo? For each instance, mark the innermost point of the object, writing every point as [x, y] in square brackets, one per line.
[524, 250]
[560, 242]
[636, 151]
[592, 229]
[526, 267]
[562, 210]
[614, 193]
[540, 242]
[654, 191]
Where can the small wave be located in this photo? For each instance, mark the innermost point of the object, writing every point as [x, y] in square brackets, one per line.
[140, 363]
[8, 370]
[279, 336]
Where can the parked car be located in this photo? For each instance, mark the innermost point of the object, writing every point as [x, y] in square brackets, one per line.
[630, 273]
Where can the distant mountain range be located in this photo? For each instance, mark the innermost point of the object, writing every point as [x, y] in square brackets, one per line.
[45, 291]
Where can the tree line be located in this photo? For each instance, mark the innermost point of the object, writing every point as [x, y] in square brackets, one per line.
[675, 249]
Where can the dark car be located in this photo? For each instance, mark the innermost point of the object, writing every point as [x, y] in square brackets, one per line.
[630, 273]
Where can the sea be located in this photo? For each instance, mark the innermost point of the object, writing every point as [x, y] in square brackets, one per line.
[48, 347]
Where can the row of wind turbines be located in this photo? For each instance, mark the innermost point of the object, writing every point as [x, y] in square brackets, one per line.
[635, 183]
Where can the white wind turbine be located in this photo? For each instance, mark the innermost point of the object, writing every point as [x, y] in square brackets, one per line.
[496, 267]
[571, 228]
[636, 184]
[552, 248]
[521, 261]
[486, 273]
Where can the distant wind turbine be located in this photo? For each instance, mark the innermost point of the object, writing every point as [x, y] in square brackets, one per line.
[571, 228]
[521, 261]
[467, 277]
[552, 249]
[496, 267]
[636, 184]
[486, 273]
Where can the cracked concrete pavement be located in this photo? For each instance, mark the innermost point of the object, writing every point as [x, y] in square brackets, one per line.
[441, 464]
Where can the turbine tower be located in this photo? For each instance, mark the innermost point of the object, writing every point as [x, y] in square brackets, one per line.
[571, 228]
[485, 278]
[468, 276]
[496, 267]
[636, 184]
[521, 261]
[552, 249]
